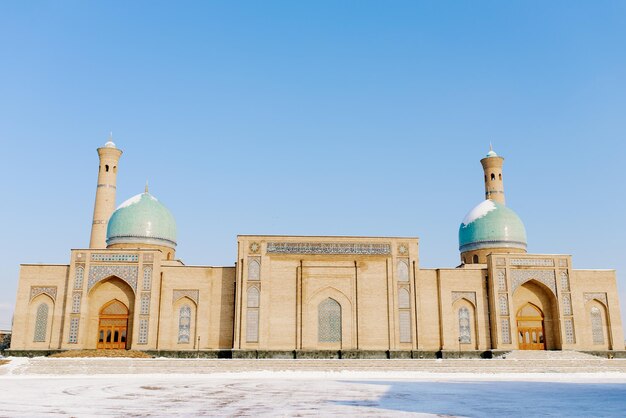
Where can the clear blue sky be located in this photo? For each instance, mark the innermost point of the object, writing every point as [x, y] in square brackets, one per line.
[320, 117]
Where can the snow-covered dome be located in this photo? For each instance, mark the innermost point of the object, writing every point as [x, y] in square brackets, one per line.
[491, 225]
[110, 144]
[142, 219]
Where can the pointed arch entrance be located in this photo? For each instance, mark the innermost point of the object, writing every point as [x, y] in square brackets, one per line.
[113, 326]
[530, 328]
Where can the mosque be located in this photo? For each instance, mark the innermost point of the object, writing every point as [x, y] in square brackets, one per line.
[300, 296]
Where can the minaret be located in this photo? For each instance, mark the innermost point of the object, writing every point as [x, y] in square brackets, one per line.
[105, 193]
[492, 166]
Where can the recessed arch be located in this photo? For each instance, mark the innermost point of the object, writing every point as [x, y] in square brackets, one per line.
[310, 324]
[465, 324]
[184, 323]
[103, 295]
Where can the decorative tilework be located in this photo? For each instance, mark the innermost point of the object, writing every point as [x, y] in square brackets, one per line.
[143, 331]
[404, 300]
[145, 304]
[403, 270]
[563, 262]
[79, 274]
[189, 293]
[125, 258]
[403, 249]
[501, 275]
[41, 323]
[252, 325]
[567, 305]
[148, 257]
[73, 338]
[76, 302]
[115, 308]
[564, 281]
[504, 305]
[596, 326]
[253, 297]
[547, 277]
[532, 262]
[405, 326]
[328, 248]
[506, 331]
[465, 334]
[329, 321]
[126, 273]
[254, 268]
[184, 324]
[147, 278]
[254, 247]
[471, 296]
[569, 331]
[597, 295]
[80, 257]
[48, 290]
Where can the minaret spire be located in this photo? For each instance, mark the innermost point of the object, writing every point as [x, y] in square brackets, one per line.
[104, 206]
[492, 166]
[146, 190]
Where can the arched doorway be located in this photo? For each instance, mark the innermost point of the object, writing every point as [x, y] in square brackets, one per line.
[530, 328]
[113, 325]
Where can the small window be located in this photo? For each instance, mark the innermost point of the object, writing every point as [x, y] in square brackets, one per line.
[500, 176]
[475, 258]
[485, 178]
[184, 324]
[106, 168]
[115, 169]
[465, 334]
[493, 176]
[329, 321]
[41, 323]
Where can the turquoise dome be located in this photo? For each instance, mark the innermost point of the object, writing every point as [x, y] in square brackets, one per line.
[142, 219]
[491, 225]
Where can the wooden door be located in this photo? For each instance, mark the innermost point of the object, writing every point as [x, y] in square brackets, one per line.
[530, 329]
[530, 338]
[113, 326]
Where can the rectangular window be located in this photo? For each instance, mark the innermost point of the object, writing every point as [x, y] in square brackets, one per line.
[252, 325]
[405, 326]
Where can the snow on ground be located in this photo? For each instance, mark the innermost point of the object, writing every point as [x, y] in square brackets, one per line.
[311, 393]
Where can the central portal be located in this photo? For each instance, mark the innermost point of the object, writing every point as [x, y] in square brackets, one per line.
[530, 328]
[113, 325]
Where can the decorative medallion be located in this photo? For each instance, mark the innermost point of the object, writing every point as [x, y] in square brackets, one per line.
[403, 249]
[255, 247]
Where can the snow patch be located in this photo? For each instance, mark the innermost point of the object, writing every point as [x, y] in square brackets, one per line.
[479, 211]
[135, 199]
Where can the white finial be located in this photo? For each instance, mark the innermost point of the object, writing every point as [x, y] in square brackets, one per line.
[490, 146]
[110, 143]
[146, 186]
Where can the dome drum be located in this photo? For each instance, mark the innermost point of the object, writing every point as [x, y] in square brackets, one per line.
[473, 246]
[129, 239]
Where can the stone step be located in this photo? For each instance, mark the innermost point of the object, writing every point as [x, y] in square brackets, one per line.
[95, 366]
